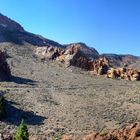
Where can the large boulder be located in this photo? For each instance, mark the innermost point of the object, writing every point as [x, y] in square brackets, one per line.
[75, 57]
[132, 75]
[99, 66]
[48, 52]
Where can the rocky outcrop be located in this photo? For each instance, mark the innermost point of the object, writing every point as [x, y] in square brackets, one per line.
[48, 52]
[90, 53]
[99, 66]
[123, 73]
[74, 55]
[131, 132]
[5, 72]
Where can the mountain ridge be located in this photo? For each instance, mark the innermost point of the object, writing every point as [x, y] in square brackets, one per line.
[11, 31]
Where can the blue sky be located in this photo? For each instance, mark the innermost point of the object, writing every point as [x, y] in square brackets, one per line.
[111, 26]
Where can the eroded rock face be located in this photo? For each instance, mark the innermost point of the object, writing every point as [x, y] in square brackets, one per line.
[48, 52]
[90, 53]
[123, 73]
[131, 132]
[5, 72]
[73, 55]
[99, 66]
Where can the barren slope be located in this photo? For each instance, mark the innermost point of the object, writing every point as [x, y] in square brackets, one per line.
[54, 100]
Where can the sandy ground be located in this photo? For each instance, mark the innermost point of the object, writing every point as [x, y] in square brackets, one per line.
[54, 100]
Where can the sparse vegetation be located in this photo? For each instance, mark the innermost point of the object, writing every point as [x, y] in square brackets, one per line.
[104, 132]
[57, 137]
[22, 132]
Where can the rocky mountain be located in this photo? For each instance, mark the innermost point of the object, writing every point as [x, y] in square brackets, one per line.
[87, 51]
[54, 100]
[121, 60]
[7, 23]
[11, 31]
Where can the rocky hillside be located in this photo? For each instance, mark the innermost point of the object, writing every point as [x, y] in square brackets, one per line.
[135, 65]
[11, 31]
[6, 22]
[54, 100]
[90, 52]
[121, 60]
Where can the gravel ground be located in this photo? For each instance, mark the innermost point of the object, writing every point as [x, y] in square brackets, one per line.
[54, 100]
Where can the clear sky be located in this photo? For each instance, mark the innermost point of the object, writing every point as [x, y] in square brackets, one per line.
[111, 26]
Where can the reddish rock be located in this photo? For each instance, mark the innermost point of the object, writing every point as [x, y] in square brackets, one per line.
[131, 132]
[48, 52]
[65, 137]
[123, 73]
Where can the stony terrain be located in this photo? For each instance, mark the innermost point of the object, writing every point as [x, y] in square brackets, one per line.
[54, 100]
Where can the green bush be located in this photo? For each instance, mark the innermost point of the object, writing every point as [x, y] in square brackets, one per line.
[2, 106]
[22, 132]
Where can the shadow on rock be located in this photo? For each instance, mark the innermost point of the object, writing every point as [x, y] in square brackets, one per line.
[21, 80]
[14, 115]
